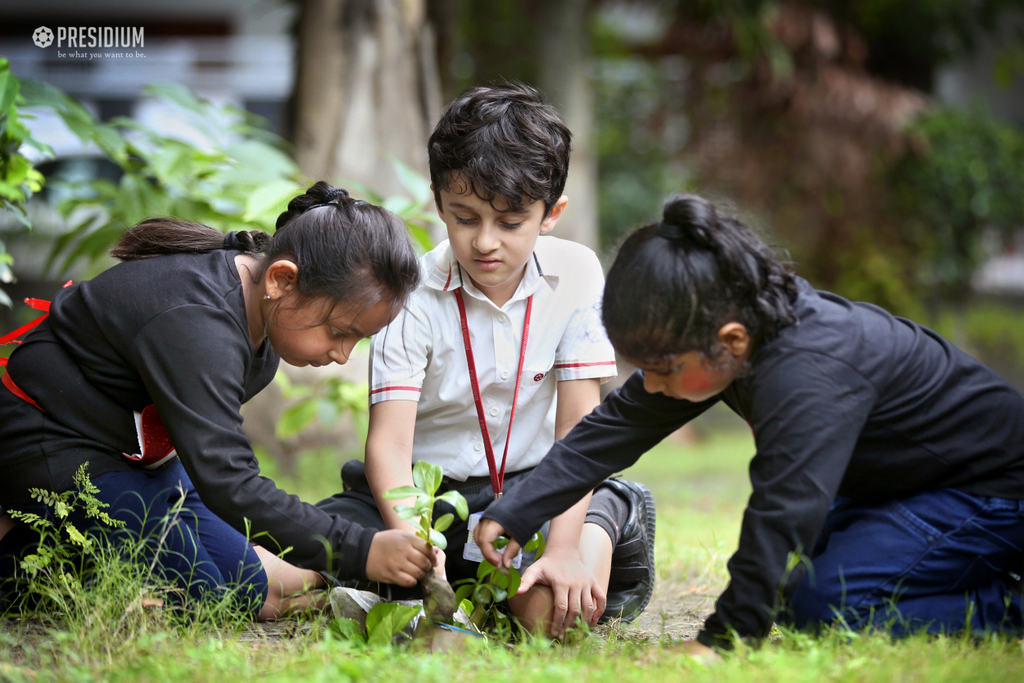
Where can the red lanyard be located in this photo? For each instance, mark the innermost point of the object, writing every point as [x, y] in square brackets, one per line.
[497, 478]
[12, 337]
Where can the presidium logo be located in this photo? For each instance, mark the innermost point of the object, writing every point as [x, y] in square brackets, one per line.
[104, 37]
[42, 37]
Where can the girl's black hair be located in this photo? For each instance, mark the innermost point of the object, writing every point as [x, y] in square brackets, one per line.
[674, 284]
[346, 250]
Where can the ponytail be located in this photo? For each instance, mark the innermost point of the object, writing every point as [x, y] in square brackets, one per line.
[162, 236]
[675, 283]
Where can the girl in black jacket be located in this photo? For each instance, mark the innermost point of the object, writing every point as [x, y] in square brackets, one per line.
[889, 464]
[159, 353]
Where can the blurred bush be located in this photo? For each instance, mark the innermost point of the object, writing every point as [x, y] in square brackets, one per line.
[961, 182]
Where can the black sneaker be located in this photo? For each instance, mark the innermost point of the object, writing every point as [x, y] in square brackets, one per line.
[631, 582]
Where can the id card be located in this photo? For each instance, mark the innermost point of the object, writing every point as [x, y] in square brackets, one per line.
[471, 551]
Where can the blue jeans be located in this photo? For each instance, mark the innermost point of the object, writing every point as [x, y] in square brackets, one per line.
[936, 561]
[193, 548]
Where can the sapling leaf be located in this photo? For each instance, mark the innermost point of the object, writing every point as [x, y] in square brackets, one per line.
[423, 506]
[458, 501]
[462, 595]
[500, 542]
[499, 579]
[444, 522]
[485, 569]
[347, 629]
[500, 594]
[514, 580]
[466, 605]
[406, 511]
[483, 593]
[419, 475]
[438, 540]
[386, 620]
[536, 542]
[404, 492]
[431, 476]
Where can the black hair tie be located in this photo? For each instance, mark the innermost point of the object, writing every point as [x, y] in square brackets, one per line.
[232, 242]
[671, 232]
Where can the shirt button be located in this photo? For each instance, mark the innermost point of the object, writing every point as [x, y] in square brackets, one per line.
[478, 446]
[504, 374]
[494, 411]
[501, 318]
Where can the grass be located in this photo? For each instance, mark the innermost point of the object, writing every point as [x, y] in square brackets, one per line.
[700, 489]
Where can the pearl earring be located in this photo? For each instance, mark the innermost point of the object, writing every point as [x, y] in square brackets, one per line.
[266, 296]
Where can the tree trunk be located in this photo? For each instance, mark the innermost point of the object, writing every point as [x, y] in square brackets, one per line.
[565, 80]
[367, 90]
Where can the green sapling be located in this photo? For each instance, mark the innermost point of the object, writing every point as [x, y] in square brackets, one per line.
[439, 602]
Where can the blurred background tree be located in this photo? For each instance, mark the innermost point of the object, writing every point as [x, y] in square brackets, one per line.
[842, 128]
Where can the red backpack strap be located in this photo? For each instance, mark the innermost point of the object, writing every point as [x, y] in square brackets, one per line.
[12, 338]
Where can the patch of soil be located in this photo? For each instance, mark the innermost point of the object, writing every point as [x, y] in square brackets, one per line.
[676, 610]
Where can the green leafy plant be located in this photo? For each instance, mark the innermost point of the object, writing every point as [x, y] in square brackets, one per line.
[439, 602]
[481, 597]
[384, 622]
[51, 568]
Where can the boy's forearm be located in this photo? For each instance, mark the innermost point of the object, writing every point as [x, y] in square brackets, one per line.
[389, 457]
[382, 478]
[566, 528]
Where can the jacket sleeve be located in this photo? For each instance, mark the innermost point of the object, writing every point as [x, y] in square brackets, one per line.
[192, 360]
[626, 425]
[808, 411]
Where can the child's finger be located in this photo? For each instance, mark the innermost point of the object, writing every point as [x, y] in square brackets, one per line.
[485, 534]
[511, 550]
[529, 577]
[574, 609]
[560, 608]
[587, 607]
[405, 579]
[600, 602]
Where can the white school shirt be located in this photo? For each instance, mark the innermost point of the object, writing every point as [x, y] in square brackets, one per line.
[421, 356]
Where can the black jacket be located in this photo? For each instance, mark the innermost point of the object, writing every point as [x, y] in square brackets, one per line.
[849, 401]
[169, 331]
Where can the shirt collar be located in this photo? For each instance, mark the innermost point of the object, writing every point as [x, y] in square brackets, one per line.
[446, 275]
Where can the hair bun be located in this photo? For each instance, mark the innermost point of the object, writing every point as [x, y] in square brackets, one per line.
[687, 217]
[320, 194]
[332, 194]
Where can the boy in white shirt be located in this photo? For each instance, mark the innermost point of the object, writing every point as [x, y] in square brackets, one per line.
[500, 352]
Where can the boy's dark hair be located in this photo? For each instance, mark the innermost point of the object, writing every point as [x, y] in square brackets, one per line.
[347, 250]
[674, 284]
[504, 141]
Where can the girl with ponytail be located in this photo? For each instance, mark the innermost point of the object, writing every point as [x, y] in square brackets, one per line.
[889, 462]
[140, 374]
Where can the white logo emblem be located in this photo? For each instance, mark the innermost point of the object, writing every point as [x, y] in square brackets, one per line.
[42, 37]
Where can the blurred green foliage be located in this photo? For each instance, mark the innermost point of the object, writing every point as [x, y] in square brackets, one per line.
[962, 182]
[239, 179]
[323, 402]
[19, 180]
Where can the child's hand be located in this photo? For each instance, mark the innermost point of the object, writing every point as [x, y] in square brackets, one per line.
[485, 534]
[575, 591]
[398, 556]
[439, 560]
